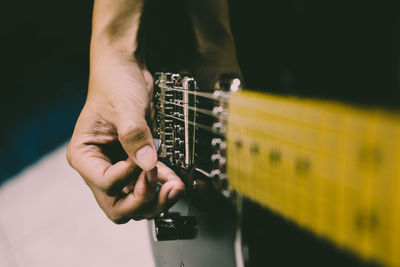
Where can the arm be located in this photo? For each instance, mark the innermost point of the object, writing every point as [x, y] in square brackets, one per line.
[215, 44]
[112, 146]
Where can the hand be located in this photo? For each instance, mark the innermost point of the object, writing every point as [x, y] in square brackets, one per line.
[112, 146]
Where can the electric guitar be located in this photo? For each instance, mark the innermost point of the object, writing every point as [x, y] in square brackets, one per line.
[324, 175]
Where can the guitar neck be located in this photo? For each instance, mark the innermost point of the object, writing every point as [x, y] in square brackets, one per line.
[331, 168]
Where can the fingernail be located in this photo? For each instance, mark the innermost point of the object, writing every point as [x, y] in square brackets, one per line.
[146, 158]
[175, 193]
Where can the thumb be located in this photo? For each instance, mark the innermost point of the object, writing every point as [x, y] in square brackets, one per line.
[137, 141]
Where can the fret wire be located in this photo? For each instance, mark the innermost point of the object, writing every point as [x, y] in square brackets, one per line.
[266, 133]
[197, 109]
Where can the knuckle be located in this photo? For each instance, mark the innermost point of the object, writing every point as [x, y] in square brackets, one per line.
[109, 187]
[138, 218]
[70, 155]
[105, 186]
[118, 219]
[171, 176]
[133, 132]
[143, 197]
[121, 220]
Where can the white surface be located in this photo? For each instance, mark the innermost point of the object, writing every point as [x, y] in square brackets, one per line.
[48, 217]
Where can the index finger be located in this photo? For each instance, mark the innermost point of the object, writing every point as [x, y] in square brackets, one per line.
[98, 170]
[141, 200]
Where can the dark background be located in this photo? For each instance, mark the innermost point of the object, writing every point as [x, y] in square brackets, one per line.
[345, 50]
[44, 59]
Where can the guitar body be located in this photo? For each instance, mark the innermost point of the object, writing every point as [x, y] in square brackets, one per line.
[267, 240]
[212, 246]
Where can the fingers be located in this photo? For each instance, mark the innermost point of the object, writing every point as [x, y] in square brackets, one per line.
[170, 191]
[118, 176]
[122, 189]
[97, 169]
[145, 188]
[148, 79]
[137, 141]
[141, 200]
[144, 201]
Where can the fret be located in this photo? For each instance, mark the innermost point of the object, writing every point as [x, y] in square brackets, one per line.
[331, 168]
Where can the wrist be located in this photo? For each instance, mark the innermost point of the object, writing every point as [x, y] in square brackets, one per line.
[114, 76]
[115, 27]
[103, 48]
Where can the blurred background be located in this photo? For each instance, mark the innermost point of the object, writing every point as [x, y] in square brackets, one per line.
[44, 58]
[334, 50]
[48, 217]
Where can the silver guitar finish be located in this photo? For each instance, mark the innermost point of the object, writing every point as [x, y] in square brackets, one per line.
[212, 246]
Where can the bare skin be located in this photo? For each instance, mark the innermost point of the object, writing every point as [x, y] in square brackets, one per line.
[112, 146]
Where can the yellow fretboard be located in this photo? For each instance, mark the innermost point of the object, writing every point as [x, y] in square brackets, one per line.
[331, 168]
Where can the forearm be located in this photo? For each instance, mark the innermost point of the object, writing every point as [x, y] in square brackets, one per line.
[112, 47]
[115, 27]
[211, 26]
[215, 44]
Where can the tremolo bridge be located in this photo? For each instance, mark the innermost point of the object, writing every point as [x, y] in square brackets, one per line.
[192, 125]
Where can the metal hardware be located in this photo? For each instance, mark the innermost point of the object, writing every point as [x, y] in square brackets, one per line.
[182, 112]
[224, 87]
[175, 117]
[173, 226]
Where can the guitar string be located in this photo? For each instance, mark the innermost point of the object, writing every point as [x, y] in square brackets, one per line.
[197, 109]
[278, 139]
[196, 93]
[202, 126]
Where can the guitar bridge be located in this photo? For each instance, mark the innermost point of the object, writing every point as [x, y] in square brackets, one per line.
[192, 125]
[175, 117]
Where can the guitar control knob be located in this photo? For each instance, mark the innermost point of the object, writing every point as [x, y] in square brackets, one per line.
[172, 226]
